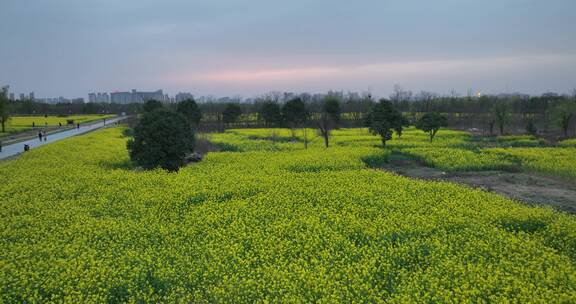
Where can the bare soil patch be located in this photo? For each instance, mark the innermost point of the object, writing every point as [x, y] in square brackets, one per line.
[526, 187]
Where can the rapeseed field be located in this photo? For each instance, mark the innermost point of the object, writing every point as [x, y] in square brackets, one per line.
[265, 220]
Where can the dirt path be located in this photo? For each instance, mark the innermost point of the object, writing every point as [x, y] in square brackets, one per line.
[527, 187]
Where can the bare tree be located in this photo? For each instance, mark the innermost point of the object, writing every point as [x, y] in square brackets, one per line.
[426, 98]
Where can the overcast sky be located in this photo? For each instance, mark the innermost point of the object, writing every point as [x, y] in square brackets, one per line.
[72, 47]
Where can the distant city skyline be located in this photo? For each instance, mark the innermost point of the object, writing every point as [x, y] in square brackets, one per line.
[135, 96]
[229, 48]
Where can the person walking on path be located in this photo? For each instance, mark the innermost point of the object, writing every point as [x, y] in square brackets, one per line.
[45, 136]
[78, 126]
[0, 146]
[40, 135]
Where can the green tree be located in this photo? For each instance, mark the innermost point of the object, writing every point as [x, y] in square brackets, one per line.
[329, 118]
[270, 113]
[231, 113]
[4, 108]
[431, 123]
[563, 114]
[294, 113]
[191, 111]
[161, 139]
[382, 119]
[152, 105]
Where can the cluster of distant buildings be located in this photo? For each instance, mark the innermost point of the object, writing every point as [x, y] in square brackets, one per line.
[132, 96]
[136, 97]
[49, 100]
[23, 96]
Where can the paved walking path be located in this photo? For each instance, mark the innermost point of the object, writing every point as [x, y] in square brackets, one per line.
[17, 148]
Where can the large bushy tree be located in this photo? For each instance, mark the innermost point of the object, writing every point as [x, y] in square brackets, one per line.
[270, 113]
[161, 139]
[431, 123]
[191, 111]
[383, 119]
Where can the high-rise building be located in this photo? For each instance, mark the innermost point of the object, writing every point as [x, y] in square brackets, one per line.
[103, 97]
[22, 96]
[145, 96]
[121, 97]
[98, 97]
[136, 96]
[32, 96]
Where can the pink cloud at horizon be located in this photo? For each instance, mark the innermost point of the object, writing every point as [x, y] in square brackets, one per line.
[424, 74]
[406, 68]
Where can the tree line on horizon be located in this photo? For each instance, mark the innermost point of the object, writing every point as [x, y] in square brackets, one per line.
[547, 113]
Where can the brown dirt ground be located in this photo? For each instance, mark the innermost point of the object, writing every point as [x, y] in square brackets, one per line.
[526, 187]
